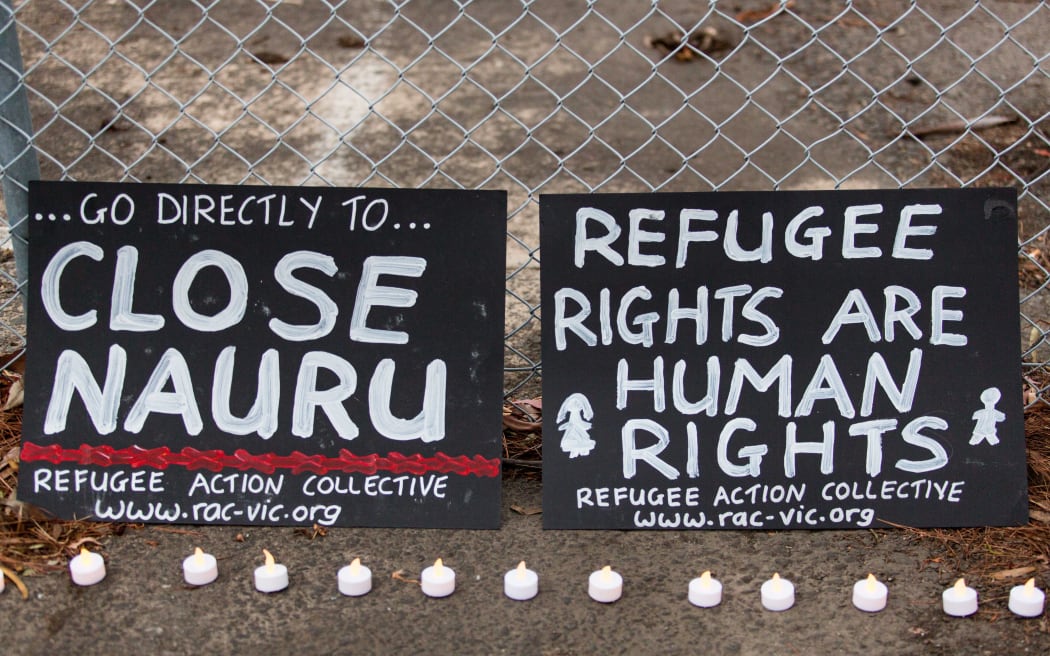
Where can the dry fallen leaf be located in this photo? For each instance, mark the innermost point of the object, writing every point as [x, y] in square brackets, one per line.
[536, 403]
[350, 41]
[13, 363]
[515, 419]
[522, 510]
[521, 425]
[1012, 573]
[270, 57]
[399, 575]
[706, 40]
[953, 127]
[1039, 516]
[74, 547]
[755, 15]
[14, 396]
[316, 531]
[1029, 395]
[1035, 335]
[16, 580]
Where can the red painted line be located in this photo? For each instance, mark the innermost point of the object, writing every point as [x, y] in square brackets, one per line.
[216, 460]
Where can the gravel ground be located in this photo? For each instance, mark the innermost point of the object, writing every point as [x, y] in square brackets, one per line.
[143, 606]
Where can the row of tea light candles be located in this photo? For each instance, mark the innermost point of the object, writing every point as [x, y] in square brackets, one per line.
[604, 585]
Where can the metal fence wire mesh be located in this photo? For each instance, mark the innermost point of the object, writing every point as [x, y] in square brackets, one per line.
[536, 97]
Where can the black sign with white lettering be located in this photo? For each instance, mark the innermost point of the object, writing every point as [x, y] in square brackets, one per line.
[265, 355]
[782, 360]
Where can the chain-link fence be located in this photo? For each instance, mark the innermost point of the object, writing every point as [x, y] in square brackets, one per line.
[534, 97]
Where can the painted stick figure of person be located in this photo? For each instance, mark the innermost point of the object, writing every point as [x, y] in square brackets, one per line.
[987, 417]
[573, 418]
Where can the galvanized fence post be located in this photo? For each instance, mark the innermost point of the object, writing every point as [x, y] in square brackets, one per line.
[18, 162]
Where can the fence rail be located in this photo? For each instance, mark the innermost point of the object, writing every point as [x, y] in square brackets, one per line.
[533, 97]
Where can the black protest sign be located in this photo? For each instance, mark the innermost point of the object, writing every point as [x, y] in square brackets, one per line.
[781, 360]
[265, 355]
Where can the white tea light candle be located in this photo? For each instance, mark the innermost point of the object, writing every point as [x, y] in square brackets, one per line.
[355, 579]
[778, 594]
[1027, 600]
[705, 591]
[521, 583]
[87, 568]
[438, 580]
[200, 568]
[605, 585]
[271, 577]
[870, 594]
[959, 600]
